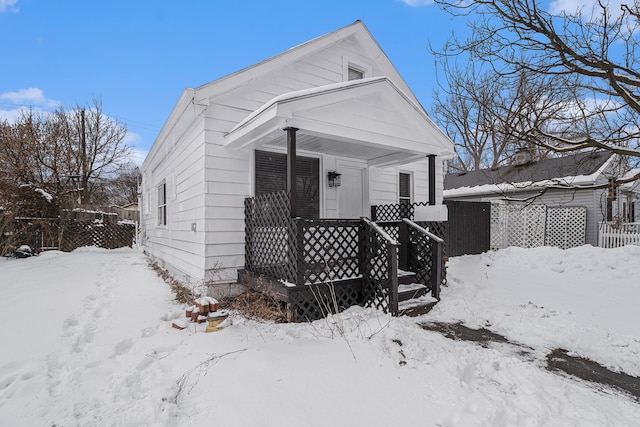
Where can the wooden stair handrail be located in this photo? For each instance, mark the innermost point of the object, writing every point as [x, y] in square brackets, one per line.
[422, 230]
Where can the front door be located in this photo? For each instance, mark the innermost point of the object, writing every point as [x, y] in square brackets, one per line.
[351, 193]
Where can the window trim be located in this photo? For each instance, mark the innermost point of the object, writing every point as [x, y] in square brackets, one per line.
[348, 63]
[162, 204]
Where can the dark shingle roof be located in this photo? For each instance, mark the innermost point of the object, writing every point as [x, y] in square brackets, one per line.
[585, 163]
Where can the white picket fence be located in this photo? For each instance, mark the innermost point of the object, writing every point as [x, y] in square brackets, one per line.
[614, 236]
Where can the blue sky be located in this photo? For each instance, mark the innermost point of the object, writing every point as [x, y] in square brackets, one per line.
[138, 56]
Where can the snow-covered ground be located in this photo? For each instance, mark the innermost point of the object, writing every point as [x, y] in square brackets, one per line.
[87, 341]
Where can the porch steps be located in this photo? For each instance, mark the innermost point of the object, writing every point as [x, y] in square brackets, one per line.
[412, 297]
[410, 291]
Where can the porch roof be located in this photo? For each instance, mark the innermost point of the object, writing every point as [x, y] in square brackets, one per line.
[370, 119]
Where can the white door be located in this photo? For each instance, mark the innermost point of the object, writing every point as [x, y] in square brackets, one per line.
[351, 193]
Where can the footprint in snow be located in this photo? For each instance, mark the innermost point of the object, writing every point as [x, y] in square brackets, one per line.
[122, 347]
[85, 338]
[147, 332]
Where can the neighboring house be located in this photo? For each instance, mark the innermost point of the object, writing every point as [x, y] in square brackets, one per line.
[128, 212]
[334, 104]
[559, 189]
[627, 208]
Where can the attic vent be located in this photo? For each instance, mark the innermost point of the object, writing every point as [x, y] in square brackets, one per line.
[522, 157]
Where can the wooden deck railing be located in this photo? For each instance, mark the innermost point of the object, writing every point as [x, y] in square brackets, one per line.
[424, 255]
[380, 270]
[336, 252]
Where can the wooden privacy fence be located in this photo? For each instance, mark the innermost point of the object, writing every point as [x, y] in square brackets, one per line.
[469, 227]
[108, 235]
[613, 235]
[43, 234]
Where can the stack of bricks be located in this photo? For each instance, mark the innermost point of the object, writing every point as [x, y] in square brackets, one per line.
[202, 309]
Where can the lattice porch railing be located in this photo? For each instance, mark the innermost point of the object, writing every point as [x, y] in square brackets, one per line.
[424, 255]
[331, 250]
[380, 268]
[270, 237]
[351, 261]
[394, 212]
[425, 271]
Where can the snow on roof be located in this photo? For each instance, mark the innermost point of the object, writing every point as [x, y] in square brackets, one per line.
[579, 170]
[632, 186]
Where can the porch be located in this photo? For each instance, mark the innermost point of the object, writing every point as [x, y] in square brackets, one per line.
[322, 266]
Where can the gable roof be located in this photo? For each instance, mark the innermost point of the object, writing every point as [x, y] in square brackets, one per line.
[578, 169]
[356, 29]
[411, 142]
[387, 126]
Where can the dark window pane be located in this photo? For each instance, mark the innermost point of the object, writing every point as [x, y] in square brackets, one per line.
[405, 188]
[271, 176]
[355, 74]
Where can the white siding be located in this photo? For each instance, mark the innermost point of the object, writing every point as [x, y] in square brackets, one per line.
[177, 158]
[383, 182]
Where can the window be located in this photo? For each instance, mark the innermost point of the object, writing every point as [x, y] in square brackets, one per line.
[354, 69]
[162, 204]
[632, 212]
[404, 190]
[609, 210]
[271, 176]
[354, 73]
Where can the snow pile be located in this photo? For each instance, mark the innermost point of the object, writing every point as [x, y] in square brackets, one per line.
[583, 299]
[106, 353]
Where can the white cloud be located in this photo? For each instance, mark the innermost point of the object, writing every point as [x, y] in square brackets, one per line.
[10, 115]
[132, 138]
[417, 3]
[8, 5]
[587, 7]
[29, 97]
[138, 154]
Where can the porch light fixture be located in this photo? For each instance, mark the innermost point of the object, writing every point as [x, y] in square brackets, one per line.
[334, 179]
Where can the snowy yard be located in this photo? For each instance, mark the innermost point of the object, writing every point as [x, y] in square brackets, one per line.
[87, 341]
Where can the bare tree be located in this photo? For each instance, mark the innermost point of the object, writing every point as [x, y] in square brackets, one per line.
[123, 188]
[594, 50]
[48, 150]
[94, 146]
[480, 111]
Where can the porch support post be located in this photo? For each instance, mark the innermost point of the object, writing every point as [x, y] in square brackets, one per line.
[291, 170]
[432, 179]
[403, 249]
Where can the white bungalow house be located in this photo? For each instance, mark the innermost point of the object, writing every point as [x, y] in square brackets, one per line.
[332, 116]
